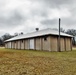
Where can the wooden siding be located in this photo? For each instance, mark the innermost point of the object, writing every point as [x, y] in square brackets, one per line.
[46, 44]
[26, 44]
[38, 44]
[19, 45]
[68, 44]
[22, 44]
[15, 44]
[62, 44]
[54, 43]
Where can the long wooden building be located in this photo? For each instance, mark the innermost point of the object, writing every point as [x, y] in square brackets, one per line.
[46, 40]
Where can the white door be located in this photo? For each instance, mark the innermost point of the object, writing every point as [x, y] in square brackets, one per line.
[31, 43]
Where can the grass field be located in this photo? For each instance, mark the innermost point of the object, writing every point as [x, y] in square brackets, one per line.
[28, 62]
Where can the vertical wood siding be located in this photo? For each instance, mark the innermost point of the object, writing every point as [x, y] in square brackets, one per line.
[26, 44]
[54, 43]
[62, 44]
[19, 47]
[68, 44]
[38, 43]
[46, 44]
[22, 44]
[50, 44]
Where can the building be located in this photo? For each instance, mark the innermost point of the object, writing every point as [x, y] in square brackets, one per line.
[46, 40]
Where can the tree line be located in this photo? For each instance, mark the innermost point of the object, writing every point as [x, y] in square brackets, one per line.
[7, 36]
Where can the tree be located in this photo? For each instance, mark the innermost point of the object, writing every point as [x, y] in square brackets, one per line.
[5, 37]
[1, 42]
[71, 32]
[61, 30]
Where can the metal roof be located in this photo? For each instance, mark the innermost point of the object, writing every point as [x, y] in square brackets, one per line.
[39, 33]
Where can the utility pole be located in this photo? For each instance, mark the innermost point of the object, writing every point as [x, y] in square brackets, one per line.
[59, 49]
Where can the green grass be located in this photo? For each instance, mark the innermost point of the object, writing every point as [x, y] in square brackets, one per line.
[29, 62]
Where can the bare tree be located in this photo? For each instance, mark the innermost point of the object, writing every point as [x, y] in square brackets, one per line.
[6, 36]
[61, 30]
[71, 32]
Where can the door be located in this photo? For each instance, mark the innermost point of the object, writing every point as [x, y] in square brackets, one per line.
[31, 43]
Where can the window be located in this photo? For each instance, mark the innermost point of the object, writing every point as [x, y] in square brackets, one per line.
[45, 38]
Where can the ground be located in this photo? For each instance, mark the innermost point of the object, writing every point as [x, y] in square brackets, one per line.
[28, 62]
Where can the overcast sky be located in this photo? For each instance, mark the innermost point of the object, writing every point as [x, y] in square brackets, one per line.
[26, 15]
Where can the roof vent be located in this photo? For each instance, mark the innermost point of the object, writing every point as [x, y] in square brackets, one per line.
[37, 29]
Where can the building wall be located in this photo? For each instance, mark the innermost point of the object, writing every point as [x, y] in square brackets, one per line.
[13, 45]
[54, 43]
[68, 44]
[19, 44]
[22, 44]
[38, 44]
[26, 44]
[9, 44]
[62, 44]
[46, 43]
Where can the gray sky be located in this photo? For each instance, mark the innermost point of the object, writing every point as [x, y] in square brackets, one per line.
[26, 15]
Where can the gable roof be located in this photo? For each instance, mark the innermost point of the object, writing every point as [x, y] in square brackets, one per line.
[38, 33]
